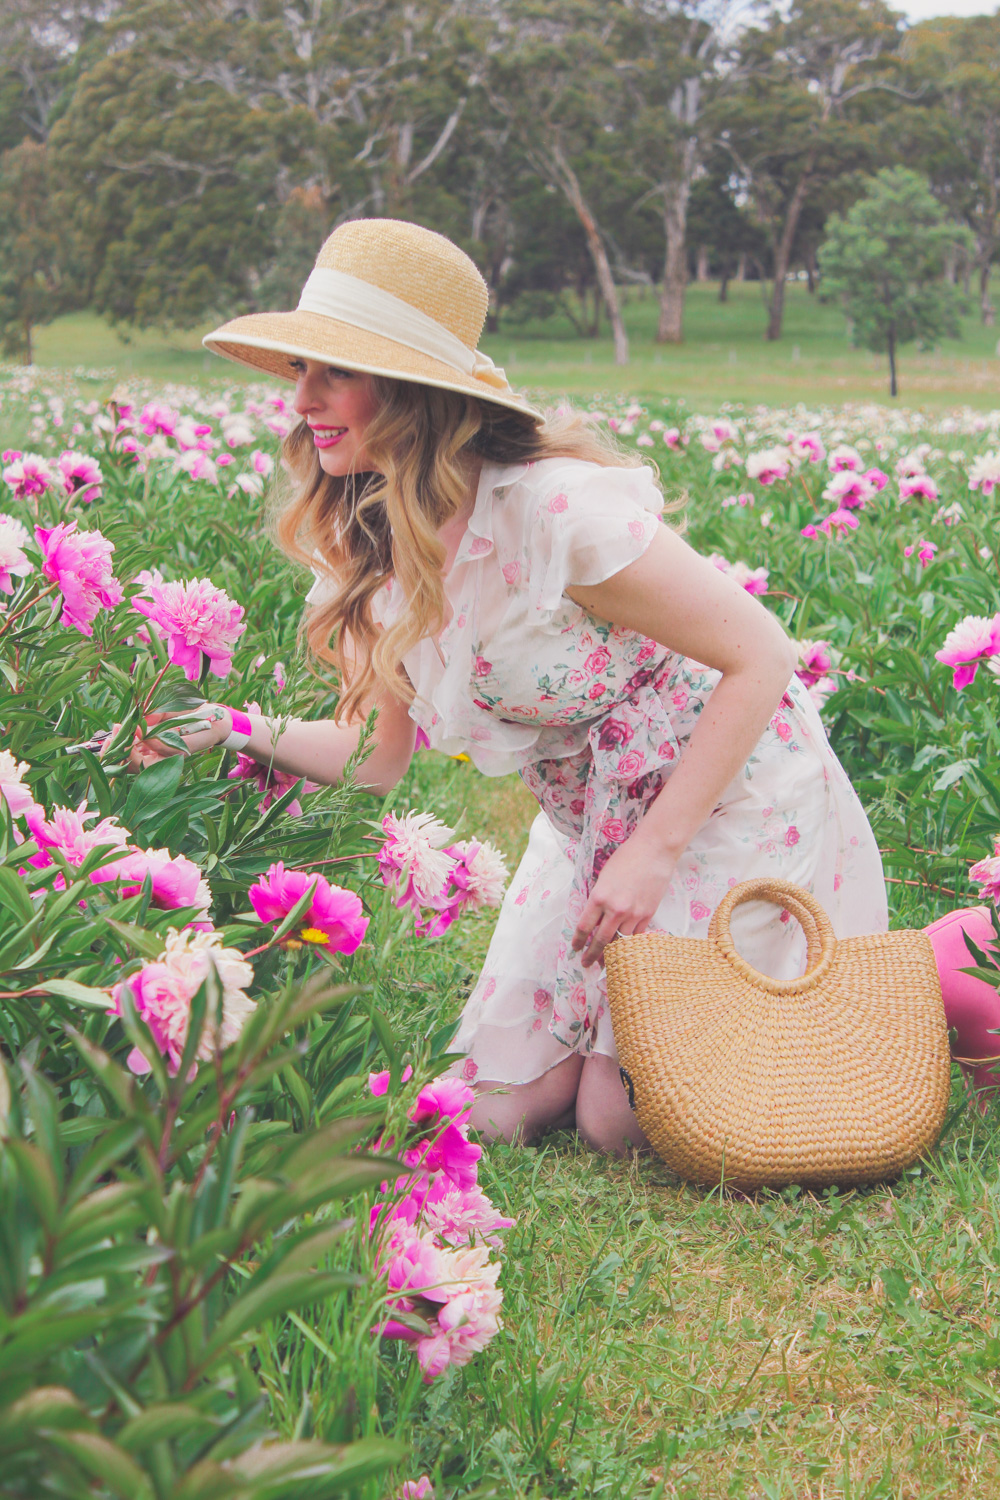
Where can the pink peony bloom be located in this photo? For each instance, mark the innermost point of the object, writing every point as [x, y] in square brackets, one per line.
[200, 623]
[984, 474]
[849, 491]
[417, 1489]
[176, 880]
[479, 875]
[919, 486]
[986, 874]
[80, 563]
[270, 781]
[28, 474]
[14, 563]
[770, 465]
[158, 418]
[925, 551]
[333, 920]
[197, 465]
[967, 645]
[844, 457]
[807, 446]
[163, 990]
[66, 831]
[815, 661]
[12, 789]
[838, 521]
[878, 478]
[413, 861]
[674, 438]
[81, 475]
[379, 1082]
[719, 432]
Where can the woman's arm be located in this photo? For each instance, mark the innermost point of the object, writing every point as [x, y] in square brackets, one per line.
[316, 749]
[684, 602]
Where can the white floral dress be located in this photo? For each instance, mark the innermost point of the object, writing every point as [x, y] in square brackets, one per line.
[595, 718]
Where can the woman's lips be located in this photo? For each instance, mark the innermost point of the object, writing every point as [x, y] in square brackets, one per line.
[328, 437]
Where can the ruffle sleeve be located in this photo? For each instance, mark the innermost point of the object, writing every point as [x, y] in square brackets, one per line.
[587, 524]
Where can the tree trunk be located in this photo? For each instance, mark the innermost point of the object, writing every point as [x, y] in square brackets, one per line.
[724, 280]
[28, 350]
[671, 326]
[893, 387]
[567, 180]
[741, 266]
[701, 264]
[986, 311]
[951, 265]
[783, 252]
[810, 260]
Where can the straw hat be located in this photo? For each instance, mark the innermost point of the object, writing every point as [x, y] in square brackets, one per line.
[388, 298]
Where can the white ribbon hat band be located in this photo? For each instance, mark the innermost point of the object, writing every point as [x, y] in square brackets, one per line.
[334, 294]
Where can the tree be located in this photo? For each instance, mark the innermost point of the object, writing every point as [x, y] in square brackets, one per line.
[957, 61]
[885, 260]
[36, 283]
[552, 79]
[791, 132]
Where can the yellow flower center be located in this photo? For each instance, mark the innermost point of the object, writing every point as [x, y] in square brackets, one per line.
[314, 935]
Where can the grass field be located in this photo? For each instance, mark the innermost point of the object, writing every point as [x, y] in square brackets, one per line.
[724, 359]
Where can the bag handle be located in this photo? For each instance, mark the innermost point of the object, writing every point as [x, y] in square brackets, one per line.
[821, 945]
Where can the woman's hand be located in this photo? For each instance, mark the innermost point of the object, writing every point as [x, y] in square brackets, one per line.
[625, 896]
[147, 750]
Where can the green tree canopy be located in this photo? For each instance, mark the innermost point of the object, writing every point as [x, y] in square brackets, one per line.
[885, 260]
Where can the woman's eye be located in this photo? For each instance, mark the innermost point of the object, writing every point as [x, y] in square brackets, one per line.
[336, 374]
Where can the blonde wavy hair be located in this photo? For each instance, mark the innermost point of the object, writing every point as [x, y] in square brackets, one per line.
[361, 530]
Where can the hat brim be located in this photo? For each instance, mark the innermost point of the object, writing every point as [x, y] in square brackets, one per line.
[269, 341]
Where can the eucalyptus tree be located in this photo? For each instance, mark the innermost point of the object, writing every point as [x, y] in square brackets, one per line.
[552, 78]
[795, 124]
[956, 63]
[676, 62]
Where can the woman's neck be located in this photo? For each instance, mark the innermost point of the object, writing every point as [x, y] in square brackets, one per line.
[454, 529]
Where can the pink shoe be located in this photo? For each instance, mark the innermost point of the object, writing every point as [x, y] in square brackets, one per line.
[971, 1006]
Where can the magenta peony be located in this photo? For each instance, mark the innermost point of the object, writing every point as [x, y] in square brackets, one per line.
[968, 644]
[67, 832]
[986, 874]
[28, 475]
[12, 789]
[176, 881]
[199, 621]
[81, 475]
[80, 563]
[413, 861]
[333, 920]
[925, 551]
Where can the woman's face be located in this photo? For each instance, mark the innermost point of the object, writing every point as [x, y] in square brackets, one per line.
[338, 406]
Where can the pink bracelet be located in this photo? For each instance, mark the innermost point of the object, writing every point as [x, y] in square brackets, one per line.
[239, 736]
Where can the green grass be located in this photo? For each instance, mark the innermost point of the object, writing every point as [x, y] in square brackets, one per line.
[725, 356]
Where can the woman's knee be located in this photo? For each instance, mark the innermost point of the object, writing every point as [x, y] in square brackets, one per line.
[521, 1111]
[604, 1118]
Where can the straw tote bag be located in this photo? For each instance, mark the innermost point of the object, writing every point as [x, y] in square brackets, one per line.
[839, 1076]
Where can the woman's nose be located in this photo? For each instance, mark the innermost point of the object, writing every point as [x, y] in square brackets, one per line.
[305, 395]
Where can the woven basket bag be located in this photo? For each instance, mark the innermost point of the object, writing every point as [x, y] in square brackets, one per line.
[839, 1076]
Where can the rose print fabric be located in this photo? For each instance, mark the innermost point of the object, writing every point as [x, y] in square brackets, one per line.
[595, 719]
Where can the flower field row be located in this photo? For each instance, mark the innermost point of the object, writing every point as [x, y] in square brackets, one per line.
[164, 936]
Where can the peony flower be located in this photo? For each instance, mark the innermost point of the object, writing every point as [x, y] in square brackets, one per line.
[27, 474]
[719, 432]
[199, 621]
[13, 561]
[80, 563]
[925, 552]
[878, 478]
[176, 881]
[848, 490]
[986, 873]
[413, 861]
[770, 465]
[12, 789]
[81, 474]
[333, 920]
[158, 418]
[674, 438]
[270, 782]
[163, 990]
[815, 661]
[967, 644]
[807, 447]
[984, 474]
[920, 486]
[479, 876]
[844, 457]
[66, 831]
[197, 465]
[417, 1489]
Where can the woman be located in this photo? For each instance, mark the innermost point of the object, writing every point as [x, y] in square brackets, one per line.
[503, 582]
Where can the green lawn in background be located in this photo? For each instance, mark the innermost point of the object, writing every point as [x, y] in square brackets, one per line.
[725, 357]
